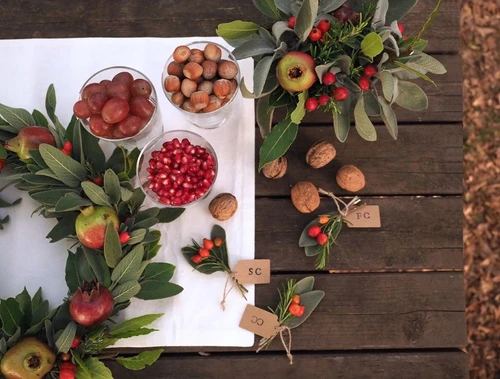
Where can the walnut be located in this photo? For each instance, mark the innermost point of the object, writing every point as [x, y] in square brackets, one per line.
[223, 206]
[320, 154]
[350, 178]
[305, 197]
[275, 169]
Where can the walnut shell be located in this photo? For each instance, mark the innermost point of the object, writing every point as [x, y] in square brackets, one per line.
[320, 154]
[275, 169]
[223, 206]
[305, 197]
[350, 178]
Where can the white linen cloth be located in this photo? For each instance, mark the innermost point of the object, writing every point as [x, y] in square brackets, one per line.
[194, 317]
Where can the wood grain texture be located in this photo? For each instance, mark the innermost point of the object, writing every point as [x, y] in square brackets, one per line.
[430, 365]
[416, 234]
[167, 18]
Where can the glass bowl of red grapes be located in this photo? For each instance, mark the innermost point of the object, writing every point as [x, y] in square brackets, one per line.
[177, 169]
[119, 104]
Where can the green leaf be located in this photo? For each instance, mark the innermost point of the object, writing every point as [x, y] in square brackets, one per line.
[268, 8]
[126, 291]
[136, 236]
[96, 194]
[398, 9]
[159, 271]
[260, 74]
[84, 269]
[236, 29]
[300, 110]
[166, 215]
[341, 125]
[17, 117]
[428, 23]
[304, 285]
[132, 162]
[305, 19]
[411, 96]
[129, 265]
[95, 370]
[24, 300]
[125, 194]
[253, 48]
[78, 150]
[71, 202]
[69, 171]
[372, 107]
[42, 180]
[63, 343]
[134, 324]
[327, 6]
[372, 45]
[264, 115]
[387, 81]
[112, 186]
[278, 141]
[47, 172]
[97, 263]
[72, 276]
[140, 361]
[157, 289]
[5, 204]
[146, 224]
[112, 246]
[11, 316]
[429, 63]
[389, 117]
[50, 103]
[310, 300]
[64, 228]
[92, 151]
[364, 126]
[52, 196]
[407, 67]
[39, 118]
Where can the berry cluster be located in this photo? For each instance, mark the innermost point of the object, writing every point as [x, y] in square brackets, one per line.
[315, 231]
[295, 308]
[205, 251]
[67, 368]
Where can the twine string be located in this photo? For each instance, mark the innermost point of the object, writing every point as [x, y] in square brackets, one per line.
[288, 346]
[226, 291]
[342, 207]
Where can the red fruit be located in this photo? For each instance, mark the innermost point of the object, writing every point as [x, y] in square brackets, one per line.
[91, 89]
[118, 90]
[311, 104]
[296, 71]
[65, 357]
[401, 28]
[124, 237]
[67, 374]
[91, 304]
[364, 83]
[294, 308]
[218, 242]
[81, 109]
[329, 78]
[322, 239]
[123, 77]
[140, 87]
[96, 102]
[91, 225]
[141, 107]
[29, 138]
[99, 127]
[68, 366]
[2, 164]
[204, 253]
[296, 299]
[208, 244]
[315, 34]
[115, 110]
[370, 71]
[99, 181]
[323, 100]
[105, 82]
[314, 231]
[291, 22]
[324, 26]
[196, 259]
[130, 126]
[301, 311]
[340, 94]
[68, 146]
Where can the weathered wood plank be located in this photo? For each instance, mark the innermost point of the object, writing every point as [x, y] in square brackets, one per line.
[438, 365]
[416, 234]
[425, 160]
[163, 18]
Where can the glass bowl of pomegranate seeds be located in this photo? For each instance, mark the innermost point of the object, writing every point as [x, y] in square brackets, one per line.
[202, 80]
[119, 104]
[177, 169]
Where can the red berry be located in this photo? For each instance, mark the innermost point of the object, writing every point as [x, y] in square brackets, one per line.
[76, 342]
[301, 311]
[329, 78]
[68, 366]
[67, 374]
[322, 239]
[314, 231]
[315, 34]
[208, 244]
[296, 299]
[324, 26]
[204, 253]
[64, 151]
[196, 259]
[65, 357]
[340, 94]
[405, 37]
[370, 71]
[294, 309]
[68, 146]
[218, 242]
[311, 104]
[364, 83]
[323, 100]
[291, 22]
[401, 28]
[99, 180]
[124, 237]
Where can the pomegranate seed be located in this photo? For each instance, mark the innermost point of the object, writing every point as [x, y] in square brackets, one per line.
[187, 185]
[165, 200]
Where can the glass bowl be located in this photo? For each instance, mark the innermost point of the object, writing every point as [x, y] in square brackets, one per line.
[152, 129]
[214, 119]
[146, 155]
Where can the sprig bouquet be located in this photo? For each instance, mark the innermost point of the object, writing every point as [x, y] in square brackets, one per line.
[344, 58]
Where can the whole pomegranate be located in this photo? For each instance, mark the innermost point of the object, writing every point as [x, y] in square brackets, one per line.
[91, 304]
[29, 138]
[91, 225]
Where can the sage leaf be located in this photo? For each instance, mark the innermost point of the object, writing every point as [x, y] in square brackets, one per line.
[300, 110]
[64, 228]
[279, 28]
[237, 29]
[112, 246]
[285, 6]
[97, 263]
[47, 172]
[411, 96]
[72, 277]
[379, 18]
[42, 180]
[71, 202]
[428, 23]
[134, 324]
[52, 196]
[431, 64]
[364, 126]
[278, 141]
[63, 343]
[387, 81]
[157, 289]
[126, 291]
[341, 125]
[83, 265]
[148, 213]
[372, 107]
[268, 8]
[17, 117]
[159, 271]
[372, 45]
[136, 236]
[304, 285]
[140, 361]
[39, 118]
[69, 171]
[146, 224]
[416, 70]
[327, 6]
[125, 194]
[399, 9]
[112, 186]
[96, 194]
[310, 300]
[253, 48]
[50, 103]
[260, 74]
[305, 19]
[264, 115]
[11, 315]
[125, 270]
[389, 117]
[166, 215]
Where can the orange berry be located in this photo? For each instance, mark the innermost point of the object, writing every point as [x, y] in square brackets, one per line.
[323, 220]
[65, 357]
[208, 244]
[204, 253]
[301, 311]
[196, 259]
[296, 299]
[218, 242]
[294, 309]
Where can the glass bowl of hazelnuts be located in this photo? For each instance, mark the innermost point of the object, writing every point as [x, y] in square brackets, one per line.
[202, 80]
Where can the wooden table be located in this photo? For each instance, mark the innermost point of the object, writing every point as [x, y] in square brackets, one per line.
[395, 299]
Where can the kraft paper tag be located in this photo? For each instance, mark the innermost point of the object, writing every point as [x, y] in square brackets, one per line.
[259, 321]
[253, 271]
[366, 216]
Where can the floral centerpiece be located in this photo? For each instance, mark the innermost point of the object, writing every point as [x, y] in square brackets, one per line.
[344, 58]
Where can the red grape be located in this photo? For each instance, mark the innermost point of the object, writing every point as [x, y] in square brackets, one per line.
[141, 107]
[119, 90]
[117, 134]
[130, 126]
[81, 109]
[105, 82]
[96, 101]
[115, 110]
[99, 127]
[92, 88]
[140, 87]
[123, 77]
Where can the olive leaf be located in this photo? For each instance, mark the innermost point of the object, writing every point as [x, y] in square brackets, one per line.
[278, 142]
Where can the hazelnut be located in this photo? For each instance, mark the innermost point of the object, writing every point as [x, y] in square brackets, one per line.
[175, 68]
[212, 52]
[320, 154]
[199, 99]
[192, 70]
[181, 54]
[223, 206]
[206, 86]
[227, 69]
[177, 98]
[189, 107]
[305, 197]
[222, 88]
[275, 169]
[209, 69]
[188, 87]
[350, 178]
[234, 87]
[196, 56]
[172, 83]
[214, 103]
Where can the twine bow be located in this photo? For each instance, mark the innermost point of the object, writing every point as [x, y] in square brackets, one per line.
[339, 202]
[232, 276]
[288, 346]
